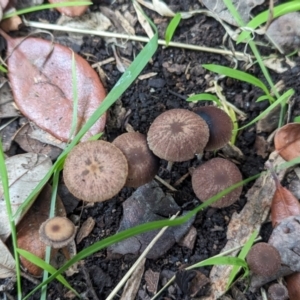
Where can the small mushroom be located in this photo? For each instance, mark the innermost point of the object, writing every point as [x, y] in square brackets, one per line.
[264, 259]
[214, 176]
[95, 171]
[293, 285]
[142, 163]
[178, 135]
[220, 126]
[278, 292]
[57, 232]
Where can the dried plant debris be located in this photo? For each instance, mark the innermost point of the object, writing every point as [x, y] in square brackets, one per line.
[192, 283]
[243, 7]
[85, 229]
[24, 138]
[7, 262]
[243, 224]
[152, 279]
[25, 171]
[149, 203]
[133, 283]
[284, 32]
[7, 108]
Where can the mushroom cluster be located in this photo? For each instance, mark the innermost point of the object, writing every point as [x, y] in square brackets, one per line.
[97, 170]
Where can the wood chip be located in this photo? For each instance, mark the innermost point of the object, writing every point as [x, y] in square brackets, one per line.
[85, 229]
[151, 279]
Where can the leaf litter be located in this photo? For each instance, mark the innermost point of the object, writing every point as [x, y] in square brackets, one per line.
[41, 78]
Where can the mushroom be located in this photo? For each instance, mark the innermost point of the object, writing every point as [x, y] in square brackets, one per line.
[220, 126]
[278, 292]
[142, 163]
[57, 232]
[95, 171]
[293, 285]
[215, 176]
[178, 135]
[264, 259]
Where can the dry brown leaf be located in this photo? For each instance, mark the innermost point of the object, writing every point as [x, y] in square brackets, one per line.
[284, 203]
[41, 81]
[28, 229]
[287, 141]
[7, 262]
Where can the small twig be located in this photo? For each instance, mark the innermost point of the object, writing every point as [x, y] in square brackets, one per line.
[130, 271]
[30, 278]
[165, 183]
[89, 283]
[239, 55]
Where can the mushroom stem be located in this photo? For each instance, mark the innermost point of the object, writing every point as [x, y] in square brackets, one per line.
[169, 166]
[199, 157]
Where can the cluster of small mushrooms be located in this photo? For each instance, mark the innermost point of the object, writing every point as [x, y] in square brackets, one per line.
[96, 171]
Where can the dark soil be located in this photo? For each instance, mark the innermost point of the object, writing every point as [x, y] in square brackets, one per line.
[144, 101]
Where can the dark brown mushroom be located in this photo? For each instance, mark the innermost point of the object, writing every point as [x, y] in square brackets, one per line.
[263, 259]
[215, 176]
[278, 292]
[142, 163]
[57, 232]
[293, 285]
[95, 171]
[220, 126]
[178, 135]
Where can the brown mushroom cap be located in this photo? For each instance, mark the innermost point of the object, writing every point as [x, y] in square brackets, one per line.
[142, 163]
[177, 135]
[57, 232]
[278, 292]
[220, 126]
[95, 171]
[264, 259]
[215, 176]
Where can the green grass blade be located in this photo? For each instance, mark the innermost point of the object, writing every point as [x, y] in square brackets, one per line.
[223, 260]
[242, 255]
[5, 186]
[40, 263]
[3, 69]
[204, 97]
[172, 27]
[297, 119]
[44, 6]
[120, 87]
[239, 75]
[262, 18]
[137, 230]
[282, 99]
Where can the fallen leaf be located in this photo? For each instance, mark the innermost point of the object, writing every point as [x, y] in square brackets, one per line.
[159, 6]
[287, 141]
[24, 171]
[284, 203]
[243, 7]
[28, 229]
[7, 262]
[71, 11]
[7, 108]
[41, 81]
[284, 32]
[27, 143]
